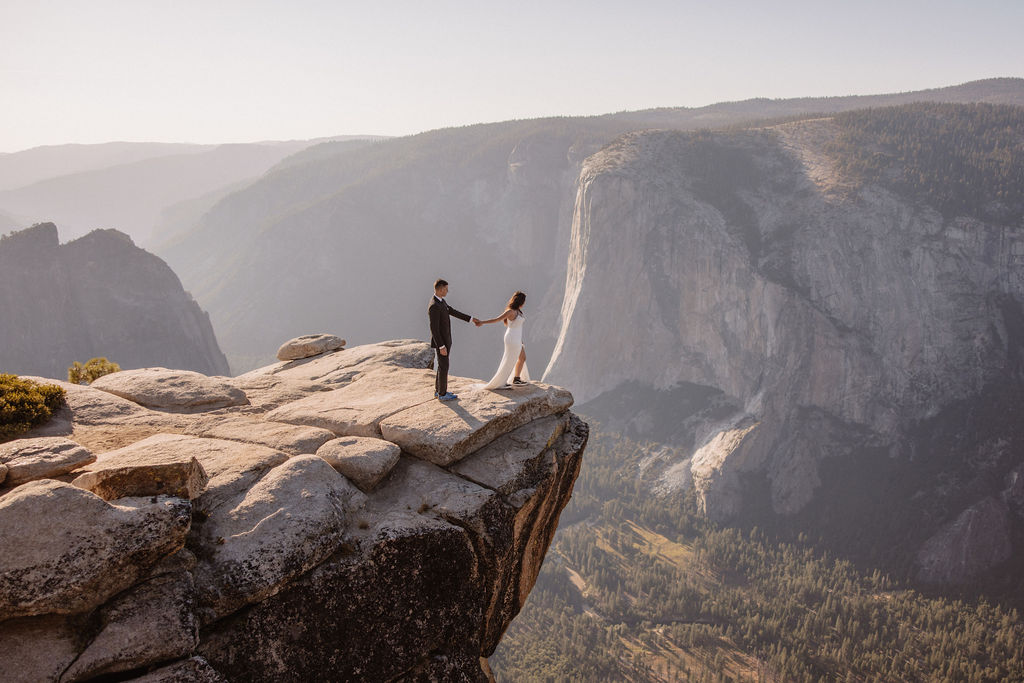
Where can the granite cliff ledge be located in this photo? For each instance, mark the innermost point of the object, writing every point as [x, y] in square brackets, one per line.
[317, 519]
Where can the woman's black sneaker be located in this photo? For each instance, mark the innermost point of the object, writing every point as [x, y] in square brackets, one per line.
[518, 381]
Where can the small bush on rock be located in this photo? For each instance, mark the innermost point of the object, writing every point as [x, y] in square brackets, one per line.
[25, 404]
[93, 369]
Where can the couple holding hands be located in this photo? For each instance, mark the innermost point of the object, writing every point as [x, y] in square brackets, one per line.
[512, 369]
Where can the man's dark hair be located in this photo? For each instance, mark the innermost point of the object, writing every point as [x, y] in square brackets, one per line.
[440, 282]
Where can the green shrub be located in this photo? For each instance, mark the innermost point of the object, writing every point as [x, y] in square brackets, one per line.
[25, 404]
[93, 369]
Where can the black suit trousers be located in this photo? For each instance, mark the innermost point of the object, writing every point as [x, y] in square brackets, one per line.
[441, 383]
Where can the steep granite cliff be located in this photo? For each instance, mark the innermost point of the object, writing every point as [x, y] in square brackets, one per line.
[99, 295]
[318, 519]
[806, 324]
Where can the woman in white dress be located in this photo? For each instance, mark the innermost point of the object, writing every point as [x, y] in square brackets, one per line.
[512, 370]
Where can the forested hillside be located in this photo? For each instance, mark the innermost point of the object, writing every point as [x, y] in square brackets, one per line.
[964, 159]
[640, 588]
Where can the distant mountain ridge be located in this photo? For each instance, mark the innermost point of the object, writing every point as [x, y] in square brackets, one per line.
[990, 90]
[127, 186]
[18, 169]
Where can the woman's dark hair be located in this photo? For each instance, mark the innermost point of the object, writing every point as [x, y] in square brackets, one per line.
[517, 300]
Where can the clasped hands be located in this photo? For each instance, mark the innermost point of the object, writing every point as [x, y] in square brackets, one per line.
[477, 322]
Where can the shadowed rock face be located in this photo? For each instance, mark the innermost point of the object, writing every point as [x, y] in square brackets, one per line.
[97, 296]
[253, 558]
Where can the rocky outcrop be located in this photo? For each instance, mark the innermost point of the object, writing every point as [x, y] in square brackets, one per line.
[224, 545]
[100, 550]
[97, 296]
[978, 539]
[363, 460]
[151, 467]
[41, 458]
[309, 345]
[165, 389]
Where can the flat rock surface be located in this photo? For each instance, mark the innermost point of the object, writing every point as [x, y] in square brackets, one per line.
[266, 392]
[38, 458]
[151, 467]
[291, 439]
[101, 548]
[363, 460]
[445, 432]
[165, 389]
[357, 409]
[288, 521]
[309, 345]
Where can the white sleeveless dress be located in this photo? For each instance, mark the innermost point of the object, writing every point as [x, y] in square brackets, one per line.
[513, 345]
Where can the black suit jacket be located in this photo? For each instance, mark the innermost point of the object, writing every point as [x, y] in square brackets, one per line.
[441, 324]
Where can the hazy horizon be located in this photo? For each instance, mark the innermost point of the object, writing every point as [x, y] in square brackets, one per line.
[242, 72]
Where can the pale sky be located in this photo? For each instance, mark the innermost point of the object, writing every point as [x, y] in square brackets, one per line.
[235, 71]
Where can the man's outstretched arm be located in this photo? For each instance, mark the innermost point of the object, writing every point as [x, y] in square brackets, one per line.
[459, 314]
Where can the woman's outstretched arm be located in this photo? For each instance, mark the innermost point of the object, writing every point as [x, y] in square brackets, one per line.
[507, 315]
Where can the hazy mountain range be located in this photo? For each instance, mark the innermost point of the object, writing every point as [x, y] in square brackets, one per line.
[125, 186]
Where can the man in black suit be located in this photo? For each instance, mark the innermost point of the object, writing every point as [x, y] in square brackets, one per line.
[441, 336]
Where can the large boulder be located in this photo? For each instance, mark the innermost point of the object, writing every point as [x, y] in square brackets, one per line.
[42, 457]
[153, 466]
[309, 345]
[232, 467]
[363, 460]
[165, 389]
[286, 523]
[100, 549]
